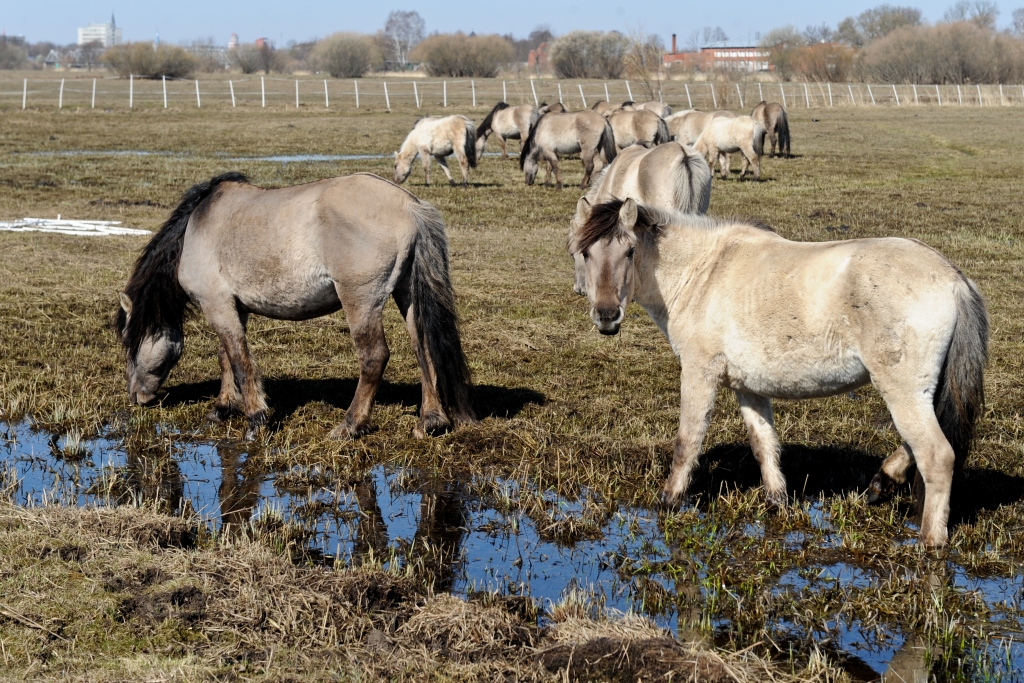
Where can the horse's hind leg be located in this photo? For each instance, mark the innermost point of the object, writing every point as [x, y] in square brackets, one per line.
[764, 441]
[366, 323]
[230, 325]
[463, 166]
[229, 400]
[432, 415]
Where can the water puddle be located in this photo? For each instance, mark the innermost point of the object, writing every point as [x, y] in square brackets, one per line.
[469, 535]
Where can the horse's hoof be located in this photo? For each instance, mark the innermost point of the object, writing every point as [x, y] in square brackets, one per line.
[219, 414]
[433, 423]
[347, 432]
[672, 501]
[256, 423]
[776, 500]
[880, 489]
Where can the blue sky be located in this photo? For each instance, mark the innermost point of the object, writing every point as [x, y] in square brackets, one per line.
[184, 20]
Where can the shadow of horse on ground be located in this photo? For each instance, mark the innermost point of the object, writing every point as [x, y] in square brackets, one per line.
[287, 395]
[813, 471]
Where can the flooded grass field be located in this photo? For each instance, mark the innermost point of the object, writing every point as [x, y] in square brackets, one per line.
[553, 496]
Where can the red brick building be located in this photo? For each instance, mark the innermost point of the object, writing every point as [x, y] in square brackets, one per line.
[721, 58]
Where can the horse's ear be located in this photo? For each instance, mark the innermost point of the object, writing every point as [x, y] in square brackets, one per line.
[583, 209]
[126, 303]
[628, 214]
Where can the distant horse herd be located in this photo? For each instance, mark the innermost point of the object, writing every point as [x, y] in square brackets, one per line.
[741, 306]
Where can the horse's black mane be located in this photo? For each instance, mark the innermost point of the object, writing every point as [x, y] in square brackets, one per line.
[485, 125]
[627, 103]
[158, 301]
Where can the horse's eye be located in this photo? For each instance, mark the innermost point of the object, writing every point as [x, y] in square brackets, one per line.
[630, 253]
[586, 255]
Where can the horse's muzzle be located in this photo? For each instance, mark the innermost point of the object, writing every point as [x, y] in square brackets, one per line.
[607, 320]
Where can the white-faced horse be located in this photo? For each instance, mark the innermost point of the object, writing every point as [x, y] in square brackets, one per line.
[437, 137]
[770, 318]
[295, 253]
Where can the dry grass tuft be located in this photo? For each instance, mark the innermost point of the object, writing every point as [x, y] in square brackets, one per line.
[447, 624]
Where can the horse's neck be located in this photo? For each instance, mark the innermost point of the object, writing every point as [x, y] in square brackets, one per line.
[408, 150]
[668, 269]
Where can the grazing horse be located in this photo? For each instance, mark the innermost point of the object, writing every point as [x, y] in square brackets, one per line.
[638, 127]
[586, 133]
[773, 117]
[438, 136]
[659, 108]
[686, 126]
[769, 318]
[507, 123]
[723, 136]
[604, 107]
[671, 177]
[295, 253]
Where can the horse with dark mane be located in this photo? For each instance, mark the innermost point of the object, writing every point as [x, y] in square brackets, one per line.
[506, 123]
[773, 117]
[586, 133]
[293, 253]
[744, 308]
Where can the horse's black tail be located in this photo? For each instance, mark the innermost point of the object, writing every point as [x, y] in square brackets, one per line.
[606, 144]
[960, 394]
[469, 143]
[485, 125]
[663, 135]
[157, 299]
[782, 130]
[530, 142]
[435, 317]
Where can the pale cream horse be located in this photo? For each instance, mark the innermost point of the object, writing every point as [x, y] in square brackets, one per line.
[586, 133]
[773, 117]
[686, 126]
[659, 108]
[670, 176]
[506, 123]
[723, 136]
[638, 127]
[604, 107]
[769, 318]
[437, 137]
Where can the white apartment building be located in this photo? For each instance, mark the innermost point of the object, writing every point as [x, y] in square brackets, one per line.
[106, 35]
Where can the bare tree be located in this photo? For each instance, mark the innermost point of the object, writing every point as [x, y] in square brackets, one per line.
[644, 61]
[404, 30]
[818, 34]
[981, 12]
[1018, 22]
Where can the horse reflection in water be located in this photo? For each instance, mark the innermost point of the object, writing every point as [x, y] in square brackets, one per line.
[238, 492]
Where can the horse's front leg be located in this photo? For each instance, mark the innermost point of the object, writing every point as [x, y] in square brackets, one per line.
[366, 324]
[553, 162]
[504, 147]
[698, 389]
[892, 474]
[725, 162]
[229, 400]
[443, 163]
[230, 326]
[426, 167]
[764, 441]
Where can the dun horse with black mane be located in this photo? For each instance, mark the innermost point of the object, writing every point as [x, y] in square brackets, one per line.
[295, 253]
[586, 133]
[770, 318]
[506, 123]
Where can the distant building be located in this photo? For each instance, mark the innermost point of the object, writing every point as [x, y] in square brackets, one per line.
[720, 57]
[107, 35]
[233, 42]
[538, 58]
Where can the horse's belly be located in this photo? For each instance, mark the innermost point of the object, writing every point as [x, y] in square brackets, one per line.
[793, 376]
[293, 301]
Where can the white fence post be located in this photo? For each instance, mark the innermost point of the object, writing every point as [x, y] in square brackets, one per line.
[830, 94]
[60, 98]
[232, 87]
[472, 85]
[606, 98]
[580, 86]
[938, 94]
[915, 95]
[850, 88]
[93, 106]
[387, 100]
[782, 89]
[740, 94]
[560, 93]
[263, 90]
[872, 96]
[536, 102]
[199, 104]
[713, 98]
[356, 83]
[760, 92]
[24, 94]
[163, 81]
[807, 96]
[629, 91]
[296, 93]
[131, 90]
[689, 102]
[980, 103]
[327, 97]
[416, 94]
[504, 92]
[896, 94]
[959, 95]
[1001, 102]
[445, 93]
